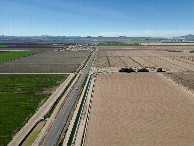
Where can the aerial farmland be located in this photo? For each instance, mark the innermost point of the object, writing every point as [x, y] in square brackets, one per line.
[46, 60]
[21, 95]
[96, 73]
[151, 108]
[30, 75]
[145, 106]
[139, 109]
[173, 59]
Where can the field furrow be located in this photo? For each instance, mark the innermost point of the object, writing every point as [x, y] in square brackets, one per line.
[116, 62]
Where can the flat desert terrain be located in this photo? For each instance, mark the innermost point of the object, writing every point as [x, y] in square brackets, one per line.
[143, 109]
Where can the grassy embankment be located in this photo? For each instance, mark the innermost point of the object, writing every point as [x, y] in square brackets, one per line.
[86, 61]
[5, 46]
[15, 54]
[20, 96]
[32, 137]
[118, 44]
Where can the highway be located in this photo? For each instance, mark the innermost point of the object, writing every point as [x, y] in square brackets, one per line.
[54, 133]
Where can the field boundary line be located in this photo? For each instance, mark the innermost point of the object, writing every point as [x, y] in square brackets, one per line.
[178, 84]
[123, 62]
[40, 113]
[135, 61]
[108, 61]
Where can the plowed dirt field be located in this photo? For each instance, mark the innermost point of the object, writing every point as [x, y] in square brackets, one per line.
[140, 109]
[170, 58]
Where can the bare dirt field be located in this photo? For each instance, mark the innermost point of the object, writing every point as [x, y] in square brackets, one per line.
[140, 109]
[185, 79]
[170, 58]
[46, 62]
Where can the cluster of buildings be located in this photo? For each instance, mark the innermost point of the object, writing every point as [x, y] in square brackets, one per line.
[77, 47]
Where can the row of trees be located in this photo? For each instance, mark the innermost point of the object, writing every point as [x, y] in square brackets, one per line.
[129, 70]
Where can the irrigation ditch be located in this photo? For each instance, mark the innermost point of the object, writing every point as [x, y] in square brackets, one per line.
[76, 122]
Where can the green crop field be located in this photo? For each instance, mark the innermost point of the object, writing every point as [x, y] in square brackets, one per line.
[118, 44]
[5, 46]
[6, 56]
[20, 96]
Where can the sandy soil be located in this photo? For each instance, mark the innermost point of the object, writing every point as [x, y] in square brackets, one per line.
[140, 109]
[184, 79]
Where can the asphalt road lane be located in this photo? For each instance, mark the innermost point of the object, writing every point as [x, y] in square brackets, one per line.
[53, 136]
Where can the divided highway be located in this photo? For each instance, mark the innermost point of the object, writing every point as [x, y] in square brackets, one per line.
[54, 133]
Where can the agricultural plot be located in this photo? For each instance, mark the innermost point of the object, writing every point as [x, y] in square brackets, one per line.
[187, 60]
[185, 79]
[139, 109]
[116, 62]
[20, 96]
[169, 44]
[152, 57]
[6, 56]
[178, 42]
[102, 62]
[118, 44]
[46, 62]
[130, 63]
[5, 46]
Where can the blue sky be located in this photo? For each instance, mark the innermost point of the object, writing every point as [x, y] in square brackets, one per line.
[157, 18]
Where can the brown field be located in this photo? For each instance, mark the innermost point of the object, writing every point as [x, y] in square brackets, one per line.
[144, 56]
[184, 79]
[46, 62]
[139, 109]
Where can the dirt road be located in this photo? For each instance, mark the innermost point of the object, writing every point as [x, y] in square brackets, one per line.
[140, 109]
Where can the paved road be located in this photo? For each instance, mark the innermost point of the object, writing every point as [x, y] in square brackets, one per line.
[57, 127]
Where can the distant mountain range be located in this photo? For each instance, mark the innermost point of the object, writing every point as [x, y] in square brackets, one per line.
[190, 36]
